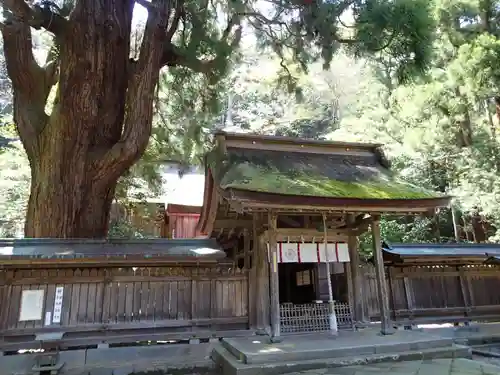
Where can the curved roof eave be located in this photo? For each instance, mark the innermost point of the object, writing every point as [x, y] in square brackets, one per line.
[205, 225]
[385, 205]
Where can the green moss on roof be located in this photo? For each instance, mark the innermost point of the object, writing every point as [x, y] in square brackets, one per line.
[317, 175]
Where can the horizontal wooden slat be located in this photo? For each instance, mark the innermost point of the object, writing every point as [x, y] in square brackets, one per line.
[27, 342]
[99, 328]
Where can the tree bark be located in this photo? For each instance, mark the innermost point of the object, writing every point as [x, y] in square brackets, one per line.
[478, 228]
[102, 115]
[78, 152]
[80, 211]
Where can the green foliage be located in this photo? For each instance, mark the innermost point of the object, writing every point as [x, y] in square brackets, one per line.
[439, 127]
[441, 131]
[291, 36]
[122, 229]
[256, 102]
[394, 230]
[14, 190]
[476, 68]
[400, 30]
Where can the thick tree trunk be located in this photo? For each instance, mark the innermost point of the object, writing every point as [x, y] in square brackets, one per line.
[78, 152]
[66, 199]
[68, 207]
[101, 119]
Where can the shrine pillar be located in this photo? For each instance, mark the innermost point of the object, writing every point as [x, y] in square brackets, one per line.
[274, 280]
[355, 282]
[383, 296]
[260, 280]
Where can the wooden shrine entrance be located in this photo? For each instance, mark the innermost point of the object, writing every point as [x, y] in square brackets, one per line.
[297, 282]
[263, 193]
[303, 289]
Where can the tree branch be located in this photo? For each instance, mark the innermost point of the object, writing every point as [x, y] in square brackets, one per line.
[19, 8]
[157, 50]
[140, 99]
[175, 20]
[176, 56]
[31, 83]
[36, 16]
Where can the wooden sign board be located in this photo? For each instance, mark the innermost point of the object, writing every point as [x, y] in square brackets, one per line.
[58, 301]
[31, 305]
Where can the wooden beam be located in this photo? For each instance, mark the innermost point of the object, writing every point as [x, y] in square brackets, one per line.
[233, 224]
[301, 234]
[312, 232]
[305, 146]
[350, 294]
[383, 298]
[356, 284]
[246, 248]
[288, 220]
[254, 206]
[408, 294]
[359, 221]
[262, 277]
[274, 280]
[307, 221]
[297, 238]
[235, 254]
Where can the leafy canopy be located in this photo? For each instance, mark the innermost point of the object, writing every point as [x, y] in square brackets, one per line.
[442, 129]
[198, 43]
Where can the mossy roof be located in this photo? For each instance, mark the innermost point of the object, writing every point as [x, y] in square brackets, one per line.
[311, 174]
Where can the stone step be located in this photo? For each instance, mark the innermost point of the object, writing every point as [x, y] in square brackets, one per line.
[230, 365]
[339, 348]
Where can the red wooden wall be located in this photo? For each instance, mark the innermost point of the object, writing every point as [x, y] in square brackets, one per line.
[182, 221]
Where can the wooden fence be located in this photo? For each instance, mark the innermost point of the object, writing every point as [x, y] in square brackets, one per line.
[162, 302]
[145, 300]
[421, 294]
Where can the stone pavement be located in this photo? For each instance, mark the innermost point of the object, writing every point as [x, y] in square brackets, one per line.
[369, 341]
[425, 367]
[184, 358]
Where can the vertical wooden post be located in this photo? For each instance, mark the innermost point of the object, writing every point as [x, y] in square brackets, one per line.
[246, 248]
[464, 288]
[249, 274]
[409, 295]
[261, 301]
[350, 295]
[356, 283]
[235, 255]
[274, 280]
[383, 297]
[332, 317]
[390, 280]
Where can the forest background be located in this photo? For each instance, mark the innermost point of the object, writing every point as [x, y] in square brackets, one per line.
[440, 130]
